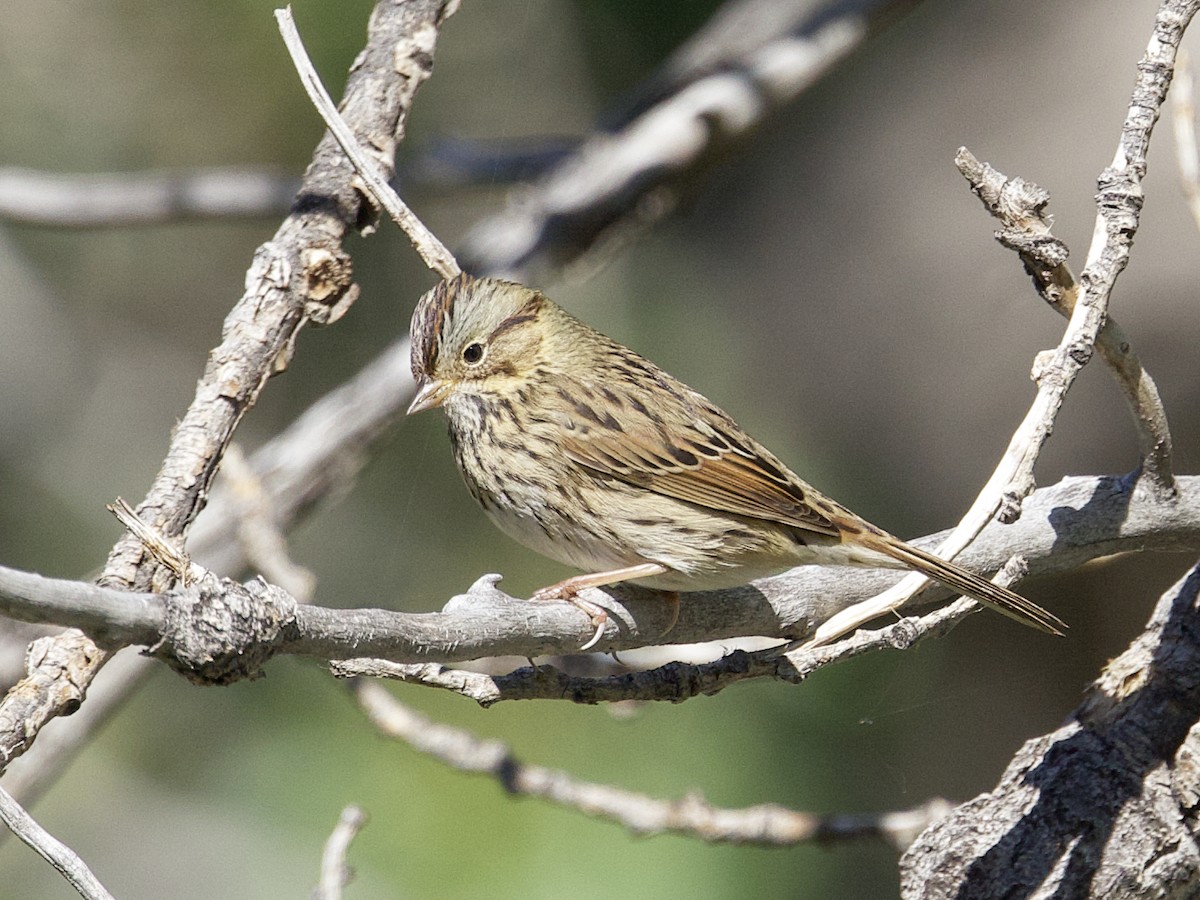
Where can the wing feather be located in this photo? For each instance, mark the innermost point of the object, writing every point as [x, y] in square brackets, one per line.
[683, 447]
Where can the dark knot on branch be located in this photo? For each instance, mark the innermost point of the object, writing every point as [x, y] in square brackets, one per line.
[219, 631]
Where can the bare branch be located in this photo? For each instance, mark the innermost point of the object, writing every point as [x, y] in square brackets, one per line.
[1104, 806]
[1021, 206]
[1119, 204]
[335, 874]
[29, 776]
[300, 276]
[1184, 119]
[412, 63]
[161, 548]
[767, 825]
[54, 851]
[258, 527]
[317, 455]
[673, 682]
[31, 197]
[718, 88]
[216, 630]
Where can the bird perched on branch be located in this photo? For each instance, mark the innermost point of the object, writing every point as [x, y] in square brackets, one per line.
[593, 456]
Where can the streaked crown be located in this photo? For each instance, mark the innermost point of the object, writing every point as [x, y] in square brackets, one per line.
[462, 312]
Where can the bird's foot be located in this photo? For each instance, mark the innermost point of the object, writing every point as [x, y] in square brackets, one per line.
[568, 591]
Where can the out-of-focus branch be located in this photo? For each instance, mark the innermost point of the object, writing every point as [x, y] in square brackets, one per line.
[54, 851]
[1184, 120]
[335, 874]
[317, 456]
[750, 61]
[766, 825]
[32, 197]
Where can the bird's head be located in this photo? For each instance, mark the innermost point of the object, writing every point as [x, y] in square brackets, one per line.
[476, 336]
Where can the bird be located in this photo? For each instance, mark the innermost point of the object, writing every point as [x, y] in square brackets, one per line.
[590, 454]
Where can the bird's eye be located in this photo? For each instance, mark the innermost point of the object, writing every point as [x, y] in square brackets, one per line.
[472, 353]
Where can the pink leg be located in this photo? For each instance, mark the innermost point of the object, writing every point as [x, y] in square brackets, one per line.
[569, 588]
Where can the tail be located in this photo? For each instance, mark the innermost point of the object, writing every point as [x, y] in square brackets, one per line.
[1000, 599]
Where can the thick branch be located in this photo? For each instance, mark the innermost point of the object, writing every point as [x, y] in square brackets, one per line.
[1077, 520]
[1103, 807]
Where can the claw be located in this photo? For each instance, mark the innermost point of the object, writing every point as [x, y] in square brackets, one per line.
[568, 592]
[599, 620]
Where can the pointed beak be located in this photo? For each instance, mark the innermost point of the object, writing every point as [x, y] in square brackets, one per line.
[431, 393]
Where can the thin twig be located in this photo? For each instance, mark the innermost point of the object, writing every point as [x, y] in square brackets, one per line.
[54, 851]
[1021, 206]
[159, 546]
[335, 874]
[765, 825]
[426, 243]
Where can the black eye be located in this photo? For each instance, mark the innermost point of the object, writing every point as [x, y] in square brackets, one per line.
[472, 353]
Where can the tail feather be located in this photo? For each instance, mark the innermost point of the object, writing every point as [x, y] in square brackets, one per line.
[1001, 599]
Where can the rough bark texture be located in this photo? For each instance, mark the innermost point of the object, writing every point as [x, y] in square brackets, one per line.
[1104, 807]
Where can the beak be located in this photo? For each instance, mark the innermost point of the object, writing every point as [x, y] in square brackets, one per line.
[431, 393]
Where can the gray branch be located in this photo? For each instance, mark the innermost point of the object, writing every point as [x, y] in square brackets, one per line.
[767, 825]
[54, 851]
[217, 630]
[1103, 807]
[751, 60]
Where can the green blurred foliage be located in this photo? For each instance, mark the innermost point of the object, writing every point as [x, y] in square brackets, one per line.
[806, 288]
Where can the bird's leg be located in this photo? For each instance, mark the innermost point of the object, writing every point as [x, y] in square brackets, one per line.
[568, 589]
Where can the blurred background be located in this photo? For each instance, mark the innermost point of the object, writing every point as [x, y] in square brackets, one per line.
[833, 284]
